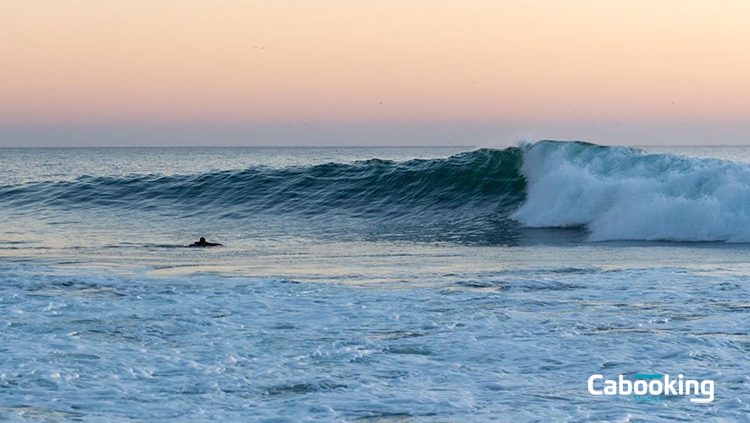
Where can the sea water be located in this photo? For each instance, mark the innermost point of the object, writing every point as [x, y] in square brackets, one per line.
[371, 284]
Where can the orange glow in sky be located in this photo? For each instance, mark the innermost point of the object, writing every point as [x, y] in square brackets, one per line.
[514, 62]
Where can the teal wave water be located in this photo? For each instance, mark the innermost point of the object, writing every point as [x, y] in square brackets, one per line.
[486, 179]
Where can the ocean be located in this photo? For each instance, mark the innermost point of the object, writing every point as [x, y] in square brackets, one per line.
[372, 284]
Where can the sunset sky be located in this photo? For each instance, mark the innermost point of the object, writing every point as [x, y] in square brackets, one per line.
[380, 72]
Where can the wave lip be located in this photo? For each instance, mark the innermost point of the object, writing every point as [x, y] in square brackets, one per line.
[621, 193]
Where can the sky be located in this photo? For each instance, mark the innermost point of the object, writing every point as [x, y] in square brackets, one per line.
[373, 72]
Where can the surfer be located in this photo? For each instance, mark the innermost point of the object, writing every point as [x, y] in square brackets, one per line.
[203, 243]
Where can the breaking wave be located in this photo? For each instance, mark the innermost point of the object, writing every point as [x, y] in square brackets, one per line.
[615, 193]
[621, 193]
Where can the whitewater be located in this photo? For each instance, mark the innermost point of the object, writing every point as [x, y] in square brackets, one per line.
[371, 284]
[620, 193]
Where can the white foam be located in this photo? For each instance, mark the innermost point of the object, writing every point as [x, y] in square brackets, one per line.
[621, 193]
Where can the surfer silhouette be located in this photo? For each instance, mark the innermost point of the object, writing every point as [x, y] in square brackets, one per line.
[203, 243]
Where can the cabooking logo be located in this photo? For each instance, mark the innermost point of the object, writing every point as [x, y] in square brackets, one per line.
[654, 386]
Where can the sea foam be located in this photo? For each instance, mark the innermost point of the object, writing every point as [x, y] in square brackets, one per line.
[621, 193]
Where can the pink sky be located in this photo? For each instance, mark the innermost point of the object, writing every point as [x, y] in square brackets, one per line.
[501, 70]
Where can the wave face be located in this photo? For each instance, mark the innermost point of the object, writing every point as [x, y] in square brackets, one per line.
[621, 193]
[615, 193]
[466, 185]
